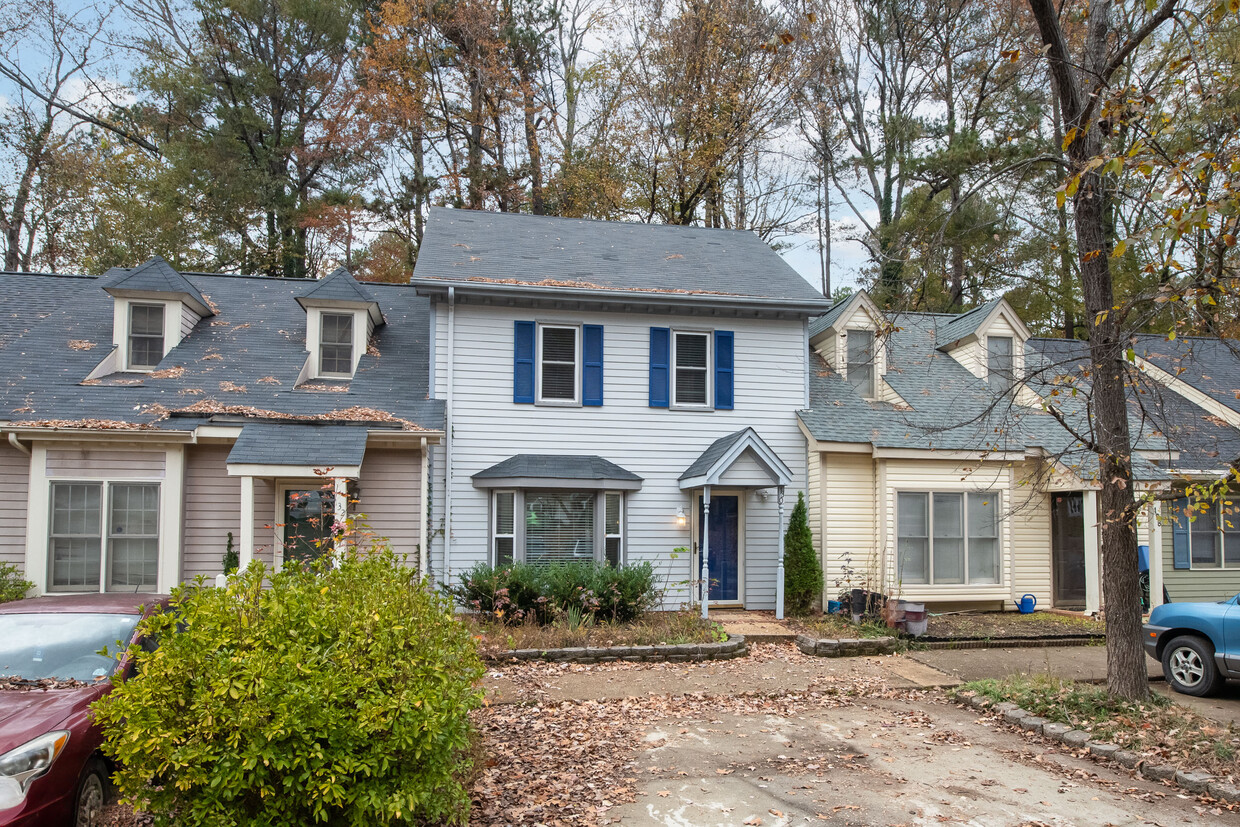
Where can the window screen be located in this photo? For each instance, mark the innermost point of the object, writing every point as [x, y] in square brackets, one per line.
[559, 526]
[860, 366]
[1000, 362]
[913, 530]
[948, 538]
[1204, 543]
[76, 536]
[146, 335]
[612, 522]
[692, 363]
[948, 548]
[558, 363]
[336, 344]
[133, 537]
[983, 510]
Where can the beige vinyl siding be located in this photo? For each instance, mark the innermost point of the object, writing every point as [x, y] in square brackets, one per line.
[92, 463]
[973, 356]
[1195, 585]
[212, 509]
[657, 444]
[390, 498]
[14, 479]
[850, 532]
[813, 498]
[1030, 514]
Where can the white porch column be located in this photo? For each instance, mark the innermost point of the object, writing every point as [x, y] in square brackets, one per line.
[1093, 571]
[1156, 557]
[705, 573]
[245, 554]
[340, 487]
[779, 576]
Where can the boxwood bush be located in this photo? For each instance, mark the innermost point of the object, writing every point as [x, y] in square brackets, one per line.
[306, 696]
[521, 592]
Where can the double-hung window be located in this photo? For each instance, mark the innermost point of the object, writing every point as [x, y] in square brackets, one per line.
[859, 368]
[1214, 536]
[691, 368]
[948, 537]
[559, 363]
[336, 345]
[104, 536]
[544, 526]
[146, 336]
[1000, 363]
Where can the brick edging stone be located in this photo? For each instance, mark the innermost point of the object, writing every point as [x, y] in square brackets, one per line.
[1193, 781]
[1012, 643]
[734, 647]
[846, 647]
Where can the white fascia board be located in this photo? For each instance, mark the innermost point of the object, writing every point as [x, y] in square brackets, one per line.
[932, 454]
[291, 471]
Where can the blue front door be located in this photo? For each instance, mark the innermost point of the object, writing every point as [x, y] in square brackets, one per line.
[723, 554]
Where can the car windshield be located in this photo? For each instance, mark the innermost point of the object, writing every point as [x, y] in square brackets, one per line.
[62, 645]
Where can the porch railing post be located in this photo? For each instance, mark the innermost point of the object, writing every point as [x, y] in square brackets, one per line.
[779, 576]
[705, 574]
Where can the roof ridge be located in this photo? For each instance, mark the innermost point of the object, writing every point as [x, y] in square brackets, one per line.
[553, 218]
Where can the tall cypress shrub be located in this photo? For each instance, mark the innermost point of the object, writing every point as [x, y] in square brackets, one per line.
[802, 571]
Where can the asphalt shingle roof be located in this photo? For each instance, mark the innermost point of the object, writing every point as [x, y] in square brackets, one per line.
[510, 248]
[298, 444]
[964, 324]
[339, 286]
[556, 466]
[157, 276]
[707, 459]
[242, 362]
[1211, 365]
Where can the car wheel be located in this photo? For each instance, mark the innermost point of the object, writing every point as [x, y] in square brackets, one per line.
[1188, 665]
[92, 795]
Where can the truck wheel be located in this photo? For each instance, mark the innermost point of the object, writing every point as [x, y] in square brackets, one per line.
[1188, 665]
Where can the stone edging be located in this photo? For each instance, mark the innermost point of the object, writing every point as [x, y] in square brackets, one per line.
[1012, 643]
[847, 647]
[734, 647]
[1192, 781]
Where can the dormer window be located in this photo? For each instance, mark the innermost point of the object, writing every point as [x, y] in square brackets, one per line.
[1000, 363]
[860, 363]
[146, 336]
[336, 345]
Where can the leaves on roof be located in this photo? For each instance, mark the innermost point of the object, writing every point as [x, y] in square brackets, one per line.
[81, 344]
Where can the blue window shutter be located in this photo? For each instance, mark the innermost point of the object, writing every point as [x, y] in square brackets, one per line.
[1179, 534]
[724, 373]
[523, 363]
[592, 365]
[660, 365]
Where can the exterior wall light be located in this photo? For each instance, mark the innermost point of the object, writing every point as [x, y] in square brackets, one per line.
[680, 517]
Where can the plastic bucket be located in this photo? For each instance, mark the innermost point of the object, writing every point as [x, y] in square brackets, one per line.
[834, 607]
[915, 619]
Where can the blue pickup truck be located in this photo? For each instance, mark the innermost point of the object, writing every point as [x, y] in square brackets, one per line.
[1198, 644]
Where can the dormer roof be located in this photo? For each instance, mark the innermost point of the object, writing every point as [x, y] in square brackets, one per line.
[841, 313]
[340, 289]
[970, 325]
[156, 277]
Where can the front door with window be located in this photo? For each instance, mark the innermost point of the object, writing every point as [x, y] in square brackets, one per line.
[1068, 548]
[308, 518]
[723, 554]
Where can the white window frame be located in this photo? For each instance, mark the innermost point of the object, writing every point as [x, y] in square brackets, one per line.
[538, 364]
[991, 377]
[352, 344]
[105, 535]
[281, 488]
[872, 364]
[1220, 543]
[709, 404]
[518, 521]
[618, 535]
[964, 516]
[129, 334]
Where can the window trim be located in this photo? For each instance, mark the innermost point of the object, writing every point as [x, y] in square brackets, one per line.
[279, 525]
[518, 521]
[130, 367]
[674, 369]
[999, 536]
[872, 364]
[991, 375]
[352, 317]
[105, 535]
[1220, 533]
[539, 399]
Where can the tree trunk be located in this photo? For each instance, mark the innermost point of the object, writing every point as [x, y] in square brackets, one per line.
[532, 146]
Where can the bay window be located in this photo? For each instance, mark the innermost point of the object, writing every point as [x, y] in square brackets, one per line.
[945, 538]
[545, 526]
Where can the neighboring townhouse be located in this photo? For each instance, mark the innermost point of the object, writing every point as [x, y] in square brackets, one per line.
[616, 392]
[938, 476]
[148, 416]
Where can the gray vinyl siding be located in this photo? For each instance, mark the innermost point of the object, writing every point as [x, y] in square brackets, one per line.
[390, 502]
[14, 480]
[212, 509]
[656, 444]
[1195, 585]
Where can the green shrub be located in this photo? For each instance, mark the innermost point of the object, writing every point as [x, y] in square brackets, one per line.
[333, 695]
[12, 585]
[520, 592]
[802, 571]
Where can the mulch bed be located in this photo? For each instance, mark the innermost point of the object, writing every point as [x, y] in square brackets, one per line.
[1010, 625]
[496, 639]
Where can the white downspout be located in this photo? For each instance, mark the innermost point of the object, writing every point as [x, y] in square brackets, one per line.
[424, 485]
[16, 443]
[447, 443]
[779, 576]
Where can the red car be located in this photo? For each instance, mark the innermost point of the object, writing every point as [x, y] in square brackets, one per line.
[52, 773]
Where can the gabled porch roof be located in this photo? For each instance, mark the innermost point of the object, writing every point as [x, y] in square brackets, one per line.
[763, 467]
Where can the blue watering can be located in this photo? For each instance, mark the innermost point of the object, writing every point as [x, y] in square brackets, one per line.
[1027, 604]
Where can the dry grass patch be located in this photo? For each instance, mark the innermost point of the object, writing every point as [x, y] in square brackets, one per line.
[1159, 729]
[495, 639]
[834, 627]
[991, 625]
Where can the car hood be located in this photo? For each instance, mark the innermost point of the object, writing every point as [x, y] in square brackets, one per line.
[28, 713]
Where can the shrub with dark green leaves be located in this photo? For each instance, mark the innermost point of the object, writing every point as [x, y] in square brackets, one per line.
[512, 592]
[802, 571]
[12, 585]
[333, 695]
[519, 592]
